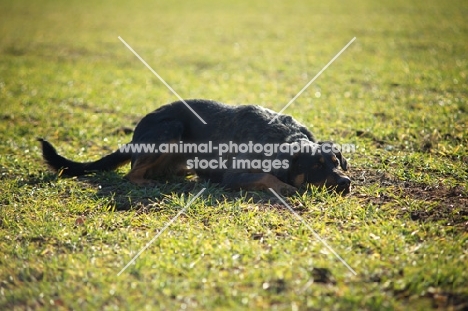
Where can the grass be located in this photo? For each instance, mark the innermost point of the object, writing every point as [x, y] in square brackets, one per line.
[399, 93]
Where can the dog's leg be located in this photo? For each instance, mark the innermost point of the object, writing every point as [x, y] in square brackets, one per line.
[146, 166]
[149, 165]
[256, 181]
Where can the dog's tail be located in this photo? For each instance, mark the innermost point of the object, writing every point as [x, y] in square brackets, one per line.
[67, 167]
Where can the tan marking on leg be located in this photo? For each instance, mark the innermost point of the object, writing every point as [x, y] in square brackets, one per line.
[299, 180]
[138, 171]
[147, 166]
[270, 181]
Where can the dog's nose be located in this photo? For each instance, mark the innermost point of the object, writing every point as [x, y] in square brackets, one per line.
[344, 182]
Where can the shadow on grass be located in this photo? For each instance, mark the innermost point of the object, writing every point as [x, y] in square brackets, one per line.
[448, 206]
[123, 195]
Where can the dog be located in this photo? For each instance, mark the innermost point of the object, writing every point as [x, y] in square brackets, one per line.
[294, 157]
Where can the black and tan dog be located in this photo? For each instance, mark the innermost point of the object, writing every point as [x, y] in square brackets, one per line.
[175, 124]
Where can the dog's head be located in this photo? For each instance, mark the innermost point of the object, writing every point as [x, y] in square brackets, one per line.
[317, 164]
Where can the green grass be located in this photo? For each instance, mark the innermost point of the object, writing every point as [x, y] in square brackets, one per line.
[399, 93]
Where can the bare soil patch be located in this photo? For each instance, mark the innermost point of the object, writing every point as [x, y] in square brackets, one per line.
[448, 205]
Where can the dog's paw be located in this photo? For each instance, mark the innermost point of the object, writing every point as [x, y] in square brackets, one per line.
[141, 181]
[289, 190]
[285, 189]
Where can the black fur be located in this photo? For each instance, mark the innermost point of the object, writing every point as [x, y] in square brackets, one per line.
[71, 168]
[238, 124]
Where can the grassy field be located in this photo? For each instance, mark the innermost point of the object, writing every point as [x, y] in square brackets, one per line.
[399, 93]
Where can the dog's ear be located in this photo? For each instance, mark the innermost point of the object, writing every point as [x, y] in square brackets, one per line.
[343, 162]
[329, 146]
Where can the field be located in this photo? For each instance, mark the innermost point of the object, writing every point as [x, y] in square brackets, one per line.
[399, 93]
